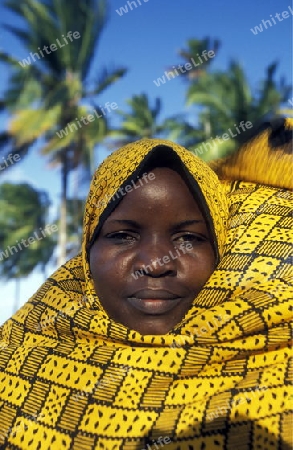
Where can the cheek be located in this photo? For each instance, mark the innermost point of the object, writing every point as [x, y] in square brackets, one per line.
[210, 259]
[99, 266]
[209, 262]
[107, 268]
[200, 265]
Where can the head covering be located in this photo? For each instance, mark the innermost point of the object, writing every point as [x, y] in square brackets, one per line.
[266, 157]
[110, 180]
[72, 378]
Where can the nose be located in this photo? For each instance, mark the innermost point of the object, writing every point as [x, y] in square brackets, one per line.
[156, 259]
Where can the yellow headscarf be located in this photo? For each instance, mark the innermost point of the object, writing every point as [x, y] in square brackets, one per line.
[72, 378]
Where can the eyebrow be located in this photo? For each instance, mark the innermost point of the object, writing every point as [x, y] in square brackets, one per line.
[133, 223]
[186, 223]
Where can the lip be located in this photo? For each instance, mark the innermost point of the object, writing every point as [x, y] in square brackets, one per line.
[154, 301]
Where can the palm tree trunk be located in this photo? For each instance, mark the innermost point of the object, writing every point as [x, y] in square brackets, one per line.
[207, 125]
[62, 237]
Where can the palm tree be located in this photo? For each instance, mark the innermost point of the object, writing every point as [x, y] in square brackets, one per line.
[140, 122]
[226, 99]
[27, 240]
[52, 91]
[199, 54]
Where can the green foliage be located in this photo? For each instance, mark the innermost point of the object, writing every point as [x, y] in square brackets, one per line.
[141, 122]
[194, 52]
[23, 215]
[47, 94]
[230, 98]
[223, 100]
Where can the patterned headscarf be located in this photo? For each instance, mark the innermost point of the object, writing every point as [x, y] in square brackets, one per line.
[121, 169]
[72, 378]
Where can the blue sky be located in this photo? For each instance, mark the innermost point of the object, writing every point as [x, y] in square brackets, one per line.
[146, 40]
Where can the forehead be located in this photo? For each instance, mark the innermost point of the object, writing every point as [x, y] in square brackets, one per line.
[166, 192]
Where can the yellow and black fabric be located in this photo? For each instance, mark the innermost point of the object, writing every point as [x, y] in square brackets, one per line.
[266, 157]
[72, 378]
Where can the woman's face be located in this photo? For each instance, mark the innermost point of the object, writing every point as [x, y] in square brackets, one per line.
[152, 256]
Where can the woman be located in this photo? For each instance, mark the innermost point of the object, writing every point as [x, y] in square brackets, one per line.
[159, 244]
[162, 332]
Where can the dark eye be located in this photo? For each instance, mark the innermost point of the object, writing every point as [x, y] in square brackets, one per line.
[121, 237]
[194, 238]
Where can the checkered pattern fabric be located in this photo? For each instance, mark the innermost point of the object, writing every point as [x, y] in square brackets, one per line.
[72, 378]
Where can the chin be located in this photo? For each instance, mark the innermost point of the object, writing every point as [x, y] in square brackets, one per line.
[154, 327]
